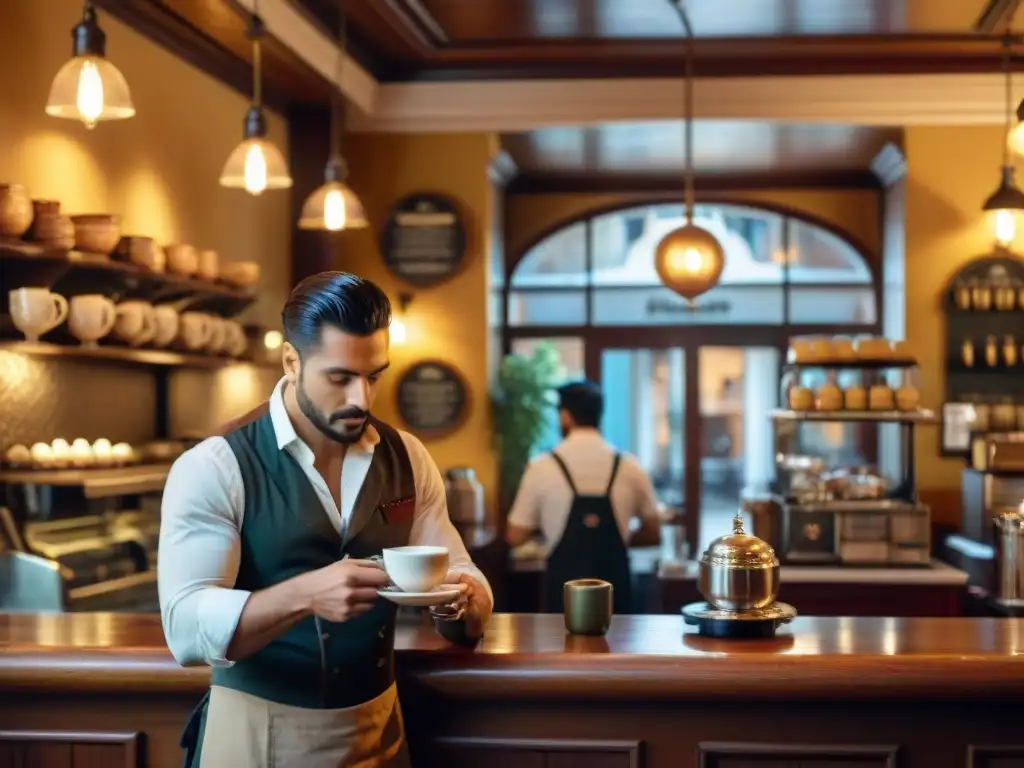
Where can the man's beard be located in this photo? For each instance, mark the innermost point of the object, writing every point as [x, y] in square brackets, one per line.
[326, 424]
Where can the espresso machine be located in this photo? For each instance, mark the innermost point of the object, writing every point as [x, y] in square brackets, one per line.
[98, 530]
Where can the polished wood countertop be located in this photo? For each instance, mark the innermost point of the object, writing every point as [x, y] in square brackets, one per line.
[527, 656]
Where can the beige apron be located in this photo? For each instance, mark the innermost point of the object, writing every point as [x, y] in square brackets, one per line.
[244, 731]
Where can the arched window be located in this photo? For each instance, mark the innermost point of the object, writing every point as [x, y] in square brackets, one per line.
[688, 387]
[778, 270]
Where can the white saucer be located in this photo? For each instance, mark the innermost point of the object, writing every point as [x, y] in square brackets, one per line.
[445, 593]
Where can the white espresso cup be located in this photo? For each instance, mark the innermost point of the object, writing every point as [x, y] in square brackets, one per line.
[416, 569]
[35, 311]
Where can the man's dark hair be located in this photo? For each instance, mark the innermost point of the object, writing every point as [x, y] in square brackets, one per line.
[584, 402]
[339, 299]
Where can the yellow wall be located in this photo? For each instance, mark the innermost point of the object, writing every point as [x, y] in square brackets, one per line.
[157, 170]
[447, 322]
[950, 172]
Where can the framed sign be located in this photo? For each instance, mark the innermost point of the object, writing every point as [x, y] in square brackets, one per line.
[957, 423]
[424, 240]
[433, 399]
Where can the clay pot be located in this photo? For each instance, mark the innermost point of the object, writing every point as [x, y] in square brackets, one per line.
[54, 232]
[15, 210]
[97, 232]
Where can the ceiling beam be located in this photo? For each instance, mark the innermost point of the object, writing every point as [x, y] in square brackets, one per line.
[525, 105]
[176, 35]
[541, 183]
[291, 27]
[997, 16]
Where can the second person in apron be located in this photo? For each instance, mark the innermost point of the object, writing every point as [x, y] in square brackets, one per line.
[582, 498]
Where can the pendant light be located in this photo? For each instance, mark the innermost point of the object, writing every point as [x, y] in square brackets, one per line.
[333, 206]
[256, 164]
[1008, 199]
[689, 260]
[88, 87]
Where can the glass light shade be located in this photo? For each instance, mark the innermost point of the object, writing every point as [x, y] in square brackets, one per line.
[1003, 205]
[256, 165]
[1004, 226]
[90, 89]
[689, 261]
[333, 207]
[1015, 138]
[397, 331]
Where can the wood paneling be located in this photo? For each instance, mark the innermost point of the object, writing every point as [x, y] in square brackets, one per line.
[721, 755]
[995, 757]
[67, 749]
[530, 753]
[726, 148]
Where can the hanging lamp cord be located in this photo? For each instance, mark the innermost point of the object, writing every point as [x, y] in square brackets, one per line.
[337, 102]
[680, 8]
[255, 33]
[1007, 67]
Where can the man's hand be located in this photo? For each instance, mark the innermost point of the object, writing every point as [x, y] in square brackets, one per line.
[474, 599]
[345, 589]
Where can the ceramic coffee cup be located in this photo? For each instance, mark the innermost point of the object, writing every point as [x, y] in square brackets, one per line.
[194, 330]
[588, 606]
[36, 311]
[135, 322]
[416, 569]
[165, 318]
[91, 317]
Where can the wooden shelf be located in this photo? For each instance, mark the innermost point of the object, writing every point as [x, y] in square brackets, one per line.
[922, 416]
[854, 364]
[72, 273]
[126, 355]
[95, 483]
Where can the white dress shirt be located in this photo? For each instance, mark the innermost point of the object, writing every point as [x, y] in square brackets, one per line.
[544, 498]
[201, 523]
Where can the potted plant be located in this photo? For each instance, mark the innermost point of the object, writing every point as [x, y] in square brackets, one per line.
[523, 406]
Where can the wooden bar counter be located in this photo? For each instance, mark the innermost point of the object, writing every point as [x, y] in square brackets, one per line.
[100, 690]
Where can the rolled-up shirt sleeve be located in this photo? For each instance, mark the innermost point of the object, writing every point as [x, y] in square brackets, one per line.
[200, 524]
[432, 526]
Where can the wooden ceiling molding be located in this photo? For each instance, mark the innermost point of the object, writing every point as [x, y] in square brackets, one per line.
[728, 155]
[445, 40]
[517, 106]
[211, 35]
[542, 183]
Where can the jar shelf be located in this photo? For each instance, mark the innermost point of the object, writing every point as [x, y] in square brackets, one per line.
[921, 416]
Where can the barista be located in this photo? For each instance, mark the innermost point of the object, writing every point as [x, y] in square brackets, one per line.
[583, 498]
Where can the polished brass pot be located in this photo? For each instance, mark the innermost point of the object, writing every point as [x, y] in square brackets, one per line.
[739, 572]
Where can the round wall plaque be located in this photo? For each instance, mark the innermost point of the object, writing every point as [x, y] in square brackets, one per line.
[424, 240]
[433, 399]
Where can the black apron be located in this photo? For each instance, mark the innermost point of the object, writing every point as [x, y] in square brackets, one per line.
[590, 548]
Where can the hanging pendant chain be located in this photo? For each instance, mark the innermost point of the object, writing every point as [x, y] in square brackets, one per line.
[680, 9]
[1009, 97]
[337, 100]
[255, 34]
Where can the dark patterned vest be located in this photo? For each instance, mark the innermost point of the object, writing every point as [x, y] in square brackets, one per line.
[286, 532]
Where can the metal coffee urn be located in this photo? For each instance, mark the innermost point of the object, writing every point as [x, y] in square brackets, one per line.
[739, 578]
[1009, 546]
[465, 499]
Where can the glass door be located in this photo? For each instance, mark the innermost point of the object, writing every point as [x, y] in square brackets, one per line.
[644, 413]
[737, 388]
